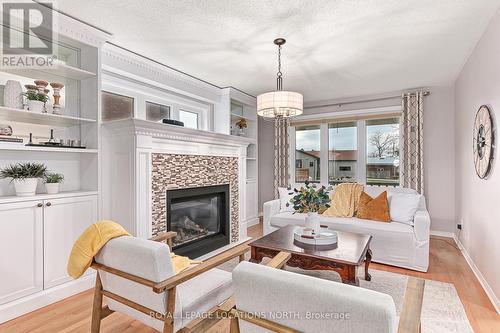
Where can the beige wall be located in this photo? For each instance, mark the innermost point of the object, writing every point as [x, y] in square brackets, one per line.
[478, 200]
[438, 152]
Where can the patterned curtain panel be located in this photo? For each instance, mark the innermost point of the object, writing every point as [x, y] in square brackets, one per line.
[281, 126]
[412, 152]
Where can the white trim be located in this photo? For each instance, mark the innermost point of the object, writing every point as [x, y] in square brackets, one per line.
[45, 297]
[487, 289]
[351, 113]
[361, 149]
[442, 233]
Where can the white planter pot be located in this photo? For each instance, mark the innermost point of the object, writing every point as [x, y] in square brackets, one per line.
[25, 187]
[312, 221]
[36, 106]
[52, 188]
[12, 94]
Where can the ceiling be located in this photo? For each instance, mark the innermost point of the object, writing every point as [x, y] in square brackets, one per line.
[335, 48]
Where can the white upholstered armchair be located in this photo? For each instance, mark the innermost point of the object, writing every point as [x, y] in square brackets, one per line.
[137, 278]
[275, 300]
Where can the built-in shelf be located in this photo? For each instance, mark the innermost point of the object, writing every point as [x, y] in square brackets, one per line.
[60, 72]
[24, 116]
[251, 159]
[45, 196]
[22, 147]
[235, 115]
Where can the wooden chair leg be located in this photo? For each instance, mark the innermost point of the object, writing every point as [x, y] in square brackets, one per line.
[235, 325]
[97, 306]
[168, 326]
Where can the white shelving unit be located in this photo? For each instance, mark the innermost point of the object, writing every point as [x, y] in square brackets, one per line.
[60, 72]
[49, 119]
[244, 107]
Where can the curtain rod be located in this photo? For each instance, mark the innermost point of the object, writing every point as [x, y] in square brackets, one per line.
[425, 93]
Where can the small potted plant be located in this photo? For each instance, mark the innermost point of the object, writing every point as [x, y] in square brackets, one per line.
[36, 101]
[52, 181]
[311, 200]
[24, 176]
[241, 124]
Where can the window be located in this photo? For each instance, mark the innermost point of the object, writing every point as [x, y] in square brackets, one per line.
[157, 112]
[307, 150]
[382, 149]
[364, 151]
[116, 106]
[342, 150]
[190, 119]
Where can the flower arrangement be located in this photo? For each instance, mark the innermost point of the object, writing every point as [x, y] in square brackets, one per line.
[242, 123]
[310, 198]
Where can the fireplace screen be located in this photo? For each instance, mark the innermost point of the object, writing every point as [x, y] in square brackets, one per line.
[200, 218]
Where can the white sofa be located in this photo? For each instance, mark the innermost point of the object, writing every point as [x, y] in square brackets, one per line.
[398, 244]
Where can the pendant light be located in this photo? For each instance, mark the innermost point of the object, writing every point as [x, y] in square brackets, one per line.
[279, 103]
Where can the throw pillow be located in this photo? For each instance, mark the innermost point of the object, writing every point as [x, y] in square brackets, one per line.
[403, 207]
[285, 197]
[376, 209]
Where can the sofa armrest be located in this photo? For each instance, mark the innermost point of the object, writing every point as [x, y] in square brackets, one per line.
[422, 225]
[271, 208]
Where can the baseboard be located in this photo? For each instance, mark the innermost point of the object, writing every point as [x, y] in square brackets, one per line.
[43, 298]
[252, 222]
[488, 290]
[442, 233]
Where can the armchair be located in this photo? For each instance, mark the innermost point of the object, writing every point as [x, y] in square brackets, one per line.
[137, 277]
[292, 303]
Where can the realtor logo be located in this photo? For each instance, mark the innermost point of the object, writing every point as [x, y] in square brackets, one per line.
[27, 34]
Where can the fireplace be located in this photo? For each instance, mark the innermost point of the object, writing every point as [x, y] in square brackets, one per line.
[200, 217]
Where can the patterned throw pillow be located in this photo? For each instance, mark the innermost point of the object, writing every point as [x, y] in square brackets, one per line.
[376, 209]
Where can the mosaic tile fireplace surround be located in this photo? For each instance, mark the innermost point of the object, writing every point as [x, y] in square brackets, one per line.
[178, 171]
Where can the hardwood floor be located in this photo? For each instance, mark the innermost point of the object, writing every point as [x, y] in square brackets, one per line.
[446, 264]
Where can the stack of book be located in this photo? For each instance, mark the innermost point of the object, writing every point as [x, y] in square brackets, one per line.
[4, 138]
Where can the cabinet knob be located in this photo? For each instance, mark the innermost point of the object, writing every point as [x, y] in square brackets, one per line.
[48, 204]
[39, 205]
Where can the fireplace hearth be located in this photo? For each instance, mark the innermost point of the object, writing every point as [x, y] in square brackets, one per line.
[200, 217]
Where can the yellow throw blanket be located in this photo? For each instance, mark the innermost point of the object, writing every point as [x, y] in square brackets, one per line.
[95, 237]
[89, 243]
[345, 200]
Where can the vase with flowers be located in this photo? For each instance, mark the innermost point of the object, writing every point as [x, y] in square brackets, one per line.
[312, 200]
[241, 124]
[36, 101]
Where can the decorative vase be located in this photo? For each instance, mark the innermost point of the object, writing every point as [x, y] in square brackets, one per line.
[13, 94]
[36, 106]
[52, 188]
[25, 187]
[57, 95]
[312, 221]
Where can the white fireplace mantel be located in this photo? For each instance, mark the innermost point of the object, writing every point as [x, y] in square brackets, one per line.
[126, 166]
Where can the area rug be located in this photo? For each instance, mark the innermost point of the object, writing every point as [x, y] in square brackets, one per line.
[442, 310]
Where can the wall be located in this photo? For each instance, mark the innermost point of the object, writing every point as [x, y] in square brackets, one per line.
[478, 200]
[439, 151]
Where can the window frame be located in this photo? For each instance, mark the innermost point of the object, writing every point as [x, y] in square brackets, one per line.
[361, 169]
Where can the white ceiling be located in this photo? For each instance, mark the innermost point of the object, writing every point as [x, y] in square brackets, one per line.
[334, 48]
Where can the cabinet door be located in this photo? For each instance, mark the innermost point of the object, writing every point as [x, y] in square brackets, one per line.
[251, 200]
[64, 221]
[21, 249]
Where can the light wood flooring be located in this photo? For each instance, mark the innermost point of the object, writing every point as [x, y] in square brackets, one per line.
[446, 264]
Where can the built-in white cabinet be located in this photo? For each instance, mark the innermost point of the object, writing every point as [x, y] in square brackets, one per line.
[64, 221]
[37, 238]
[21, 249]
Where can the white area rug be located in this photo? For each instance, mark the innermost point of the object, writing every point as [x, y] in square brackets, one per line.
[442, 310]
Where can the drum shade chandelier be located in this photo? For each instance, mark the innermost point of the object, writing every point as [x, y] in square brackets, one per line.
[279, 103]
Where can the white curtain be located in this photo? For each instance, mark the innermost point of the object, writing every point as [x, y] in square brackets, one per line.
[281, 143]
[412, 152]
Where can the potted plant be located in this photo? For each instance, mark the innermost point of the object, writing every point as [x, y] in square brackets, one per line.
[312, 200]
[241, 124]
[24, 176]
[52, 181]
[36, 101]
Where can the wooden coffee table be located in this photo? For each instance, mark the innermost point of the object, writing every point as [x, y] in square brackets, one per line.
[344, 258]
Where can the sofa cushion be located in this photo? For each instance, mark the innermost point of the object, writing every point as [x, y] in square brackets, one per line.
[403, 207]
[376, 209]
[285, 197]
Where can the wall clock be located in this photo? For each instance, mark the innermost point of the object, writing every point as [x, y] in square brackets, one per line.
[483, 141]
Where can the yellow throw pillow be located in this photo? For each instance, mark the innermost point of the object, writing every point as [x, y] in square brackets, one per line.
[376, 209]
